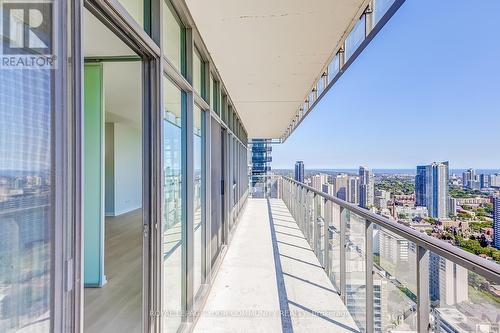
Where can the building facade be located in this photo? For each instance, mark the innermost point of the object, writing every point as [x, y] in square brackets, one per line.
[484, 180]
[435, 192]
[318, 180]
[366, 187]
[261, 159]
[496, 222]
[420, 180]
[299, 171]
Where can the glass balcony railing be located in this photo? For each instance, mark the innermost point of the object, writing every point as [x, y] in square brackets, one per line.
[390, 276]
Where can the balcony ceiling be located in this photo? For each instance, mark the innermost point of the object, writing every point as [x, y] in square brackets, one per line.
[270, 52]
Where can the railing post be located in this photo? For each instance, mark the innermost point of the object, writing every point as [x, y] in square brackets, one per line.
[369, 275]
[316, 221]
[343, 289]
[422, 289]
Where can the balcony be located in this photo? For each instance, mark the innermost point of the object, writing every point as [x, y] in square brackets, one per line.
[270, 280]
[262, 159]
[300, 260]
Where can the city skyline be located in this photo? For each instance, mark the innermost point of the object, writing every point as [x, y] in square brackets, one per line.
[400, 116]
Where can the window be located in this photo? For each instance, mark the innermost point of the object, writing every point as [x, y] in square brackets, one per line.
[174, 40]
[198, 196]
[198, 73]
[135, 8]
[26, 207]
[172, 215]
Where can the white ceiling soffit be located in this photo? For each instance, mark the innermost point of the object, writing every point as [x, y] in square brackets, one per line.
[99, 41]
[270, 52]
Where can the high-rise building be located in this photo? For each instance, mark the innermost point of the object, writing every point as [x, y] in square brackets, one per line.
[328, 189]
[299, 171]
[353, 190]
[448, 281]
[496, 222]
[341, 186]
[495, 180]
[366, 187]
[452, 206]
[382, 198]
[484, 180]
[435, 192]
[397, 256]
[261, 159]
[471, 180]
[318, 180]
[420, 186]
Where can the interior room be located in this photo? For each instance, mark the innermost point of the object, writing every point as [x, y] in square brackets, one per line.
[112, 240]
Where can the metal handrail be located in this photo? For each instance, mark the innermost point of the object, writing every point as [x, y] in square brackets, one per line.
[488, 269]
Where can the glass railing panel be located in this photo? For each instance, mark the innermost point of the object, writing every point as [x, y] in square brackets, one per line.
[461, 300]
[381, 7]
[310, 218]
[320, 86]
[355, 37]
[319, 223]
[333, 68]
[332, 213]
[394, 282]
[355, 266]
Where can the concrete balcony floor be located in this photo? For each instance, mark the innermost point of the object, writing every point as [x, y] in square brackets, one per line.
[270, 271]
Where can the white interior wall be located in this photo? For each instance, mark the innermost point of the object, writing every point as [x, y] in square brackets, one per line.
[128, 168]
[122, 90]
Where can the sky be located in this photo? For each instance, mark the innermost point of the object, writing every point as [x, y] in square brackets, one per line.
[426, 89]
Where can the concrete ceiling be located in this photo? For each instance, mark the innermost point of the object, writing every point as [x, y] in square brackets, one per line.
[270, 52]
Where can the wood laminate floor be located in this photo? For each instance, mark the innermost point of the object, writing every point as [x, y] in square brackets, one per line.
[116, 307]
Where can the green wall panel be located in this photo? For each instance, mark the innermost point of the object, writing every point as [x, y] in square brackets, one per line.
[93, 176]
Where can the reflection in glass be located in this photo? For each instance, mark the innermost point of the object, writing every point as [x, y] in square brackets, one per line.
[172, 217]
[394, 282]
[173, 38]
[26, 219]
[355, 38]
[197, 197]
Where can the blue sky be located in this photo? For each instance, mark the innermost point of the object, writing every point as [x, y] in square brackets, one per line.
[426, 89]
